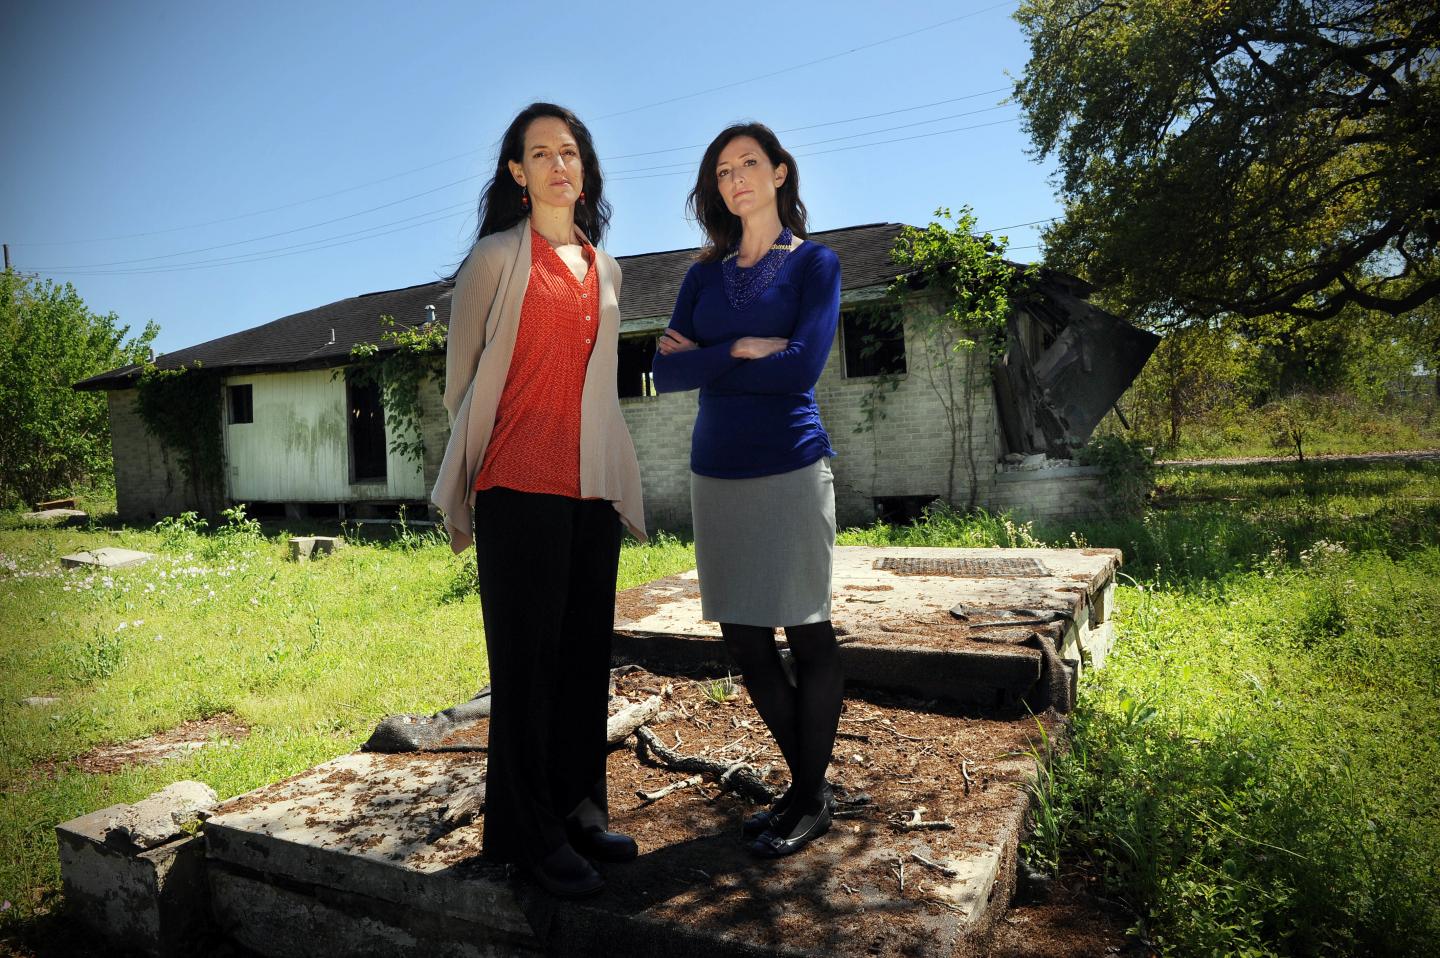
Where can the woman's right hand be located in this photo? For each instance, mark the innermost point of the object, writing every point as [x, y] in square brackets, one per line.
[757, 347]
[672, 342]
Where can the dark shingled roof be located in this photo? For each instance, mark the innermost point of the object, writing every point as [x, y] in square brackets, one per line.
[324, 336]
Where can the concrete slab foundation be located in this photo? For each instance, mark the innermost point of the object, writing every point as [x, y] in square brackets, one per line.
[1029, 611]
[110, 557]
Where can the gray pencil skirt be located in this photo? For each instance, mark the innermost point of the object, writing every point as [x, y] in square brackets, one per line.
[764, 547]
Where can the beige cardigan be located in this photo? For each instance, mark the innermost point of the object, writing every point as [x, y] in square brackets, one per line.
[484, 318]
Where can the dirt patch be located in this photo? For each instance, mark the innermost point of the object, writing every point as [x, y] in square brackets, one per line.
[1073, 922]
[894, 759]
[632, 605]
[943, 632]
[176, 743]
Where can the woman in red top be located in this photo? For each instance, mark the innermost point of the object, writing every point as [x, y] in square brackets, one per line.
[548, 506]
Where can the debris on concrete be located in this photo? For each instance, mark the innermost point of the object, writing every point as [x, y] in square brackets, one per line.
[163, 817]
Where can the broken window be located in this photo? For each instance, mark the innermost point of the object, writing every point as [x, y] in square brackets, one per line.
[633, 371]
[240, 403]
[873, 338]
[366, 420]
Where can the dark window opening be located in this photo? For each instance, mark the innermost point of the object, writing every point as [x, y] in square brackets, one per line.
[901, 510]
[874, 340]
[633, 375]
[366, 418]
[241, 403]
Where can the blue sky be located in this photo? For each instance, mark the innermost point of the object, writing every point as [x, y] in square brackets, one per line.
[215, 166]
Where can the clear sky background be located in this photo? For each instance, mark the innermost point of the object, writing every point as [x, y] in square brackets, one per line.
[213, 166]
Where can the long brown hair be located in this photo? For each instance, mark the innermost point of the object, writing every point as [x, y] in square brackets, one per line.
[500, 206]
[722, 227]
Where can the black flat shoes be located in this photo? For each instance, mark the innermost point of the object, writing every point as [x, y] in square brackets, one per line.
[756, 824]
[795, 828]
[564, 874]
[761, 821]
[605, 846]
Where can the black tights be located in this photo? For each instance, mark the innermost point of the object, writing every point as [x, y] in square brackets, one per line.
[803, 716]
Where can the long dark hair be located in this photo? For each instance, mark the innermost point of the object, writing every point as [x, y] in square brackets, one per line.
[722, 227]
[500, 206]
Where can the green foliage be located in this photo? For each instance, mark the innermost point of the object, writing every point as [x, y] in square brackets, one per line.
[944, 525]
[52, 437]
[182, 408]
[1129, 470]
[964, 272]
[1243, 156]
[400, 363]
[959, 289]
[720, 691]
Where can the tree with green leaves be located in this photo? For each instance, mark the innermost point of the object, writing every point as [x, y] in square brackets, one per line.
[1249, 157]
[52, 437]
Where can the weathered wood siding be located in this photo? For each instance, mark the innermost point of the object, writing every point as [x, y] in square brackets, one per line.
[298, 448]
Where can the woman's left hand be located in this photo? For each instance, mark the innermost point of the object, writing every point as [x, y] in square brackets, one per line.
[757, 347]
[671, 342]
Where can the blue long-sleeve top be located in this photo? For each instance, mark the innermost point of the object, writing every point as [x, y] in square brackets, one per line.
[757, 416]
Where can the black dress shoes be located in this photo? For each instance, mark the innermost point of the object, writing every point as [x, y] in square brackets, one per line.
[564, 874]
[756, 824]
[604, 846]
[795, 828]
[761, 821]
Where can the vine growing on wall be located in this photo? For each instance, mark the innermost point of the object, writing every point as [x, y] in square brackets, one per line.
[182, 409]
[959, 289]
[399, 364]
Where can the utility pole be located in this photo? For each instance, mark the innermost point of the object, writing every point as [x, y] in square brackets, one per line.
[7, 255]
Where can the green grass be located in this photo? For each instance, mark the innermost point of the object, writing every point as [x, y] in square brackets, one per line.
[1254, 771]
[1341, 424]
[309, 656]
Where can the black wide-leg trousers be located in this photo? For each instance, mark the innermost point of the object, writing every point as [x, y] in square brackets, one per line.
[547, 567]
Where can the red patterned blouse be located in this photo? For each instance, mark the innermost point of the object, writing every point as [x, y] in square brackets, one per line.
[535, 446]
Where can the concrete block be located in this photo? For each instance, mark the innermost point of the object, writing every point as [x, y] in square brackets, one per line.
[154, 901]
[54, 514]
[109, 557]
[305, 548]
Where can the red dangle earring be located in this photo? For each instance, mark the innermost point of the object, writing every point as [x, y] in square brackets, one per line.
[524, 198]
[582, 197]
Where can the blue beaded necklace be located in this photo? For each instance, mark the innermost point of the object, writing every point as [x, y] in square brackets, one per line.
[744, 283]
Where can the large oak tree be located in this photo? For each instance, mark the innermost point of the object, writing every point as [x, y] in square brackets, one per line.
[1241, 157]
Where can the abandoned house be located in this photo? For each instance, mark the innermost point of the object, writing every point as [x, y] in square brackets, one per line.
[911, 420]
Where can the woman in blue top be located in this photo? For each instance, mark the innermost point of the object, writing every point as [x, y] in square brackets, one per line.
[752, 329]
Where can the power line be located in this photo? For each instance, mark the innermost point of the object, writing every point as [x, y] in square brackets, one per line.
[272, 209]
[812, 126]
[256, 255]
[835, 139]
[807, 63]
[256, 239]
[842, 149]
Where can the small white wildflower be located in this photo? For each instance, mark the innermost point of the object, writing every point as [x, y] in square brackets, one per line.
[120, 626]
